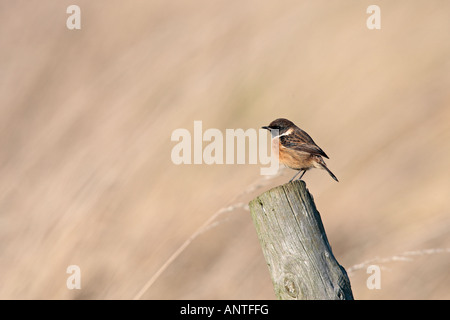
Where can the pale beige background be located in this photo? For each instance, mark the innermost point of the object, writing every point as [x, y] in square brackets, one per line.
[86, 118]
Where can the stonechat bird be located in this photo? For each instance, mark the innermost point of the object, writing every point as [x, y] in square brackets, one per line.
[296, 149]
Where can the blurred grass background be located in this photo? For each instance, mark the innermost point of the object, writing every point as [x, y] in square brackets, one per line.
[86, 118]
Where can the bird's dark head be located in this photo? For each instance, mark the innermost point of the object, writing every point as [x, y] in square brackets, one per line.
[282, 125]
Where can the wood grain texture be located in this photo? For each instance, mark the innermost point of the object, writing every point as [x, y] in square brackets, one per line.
[295, 246]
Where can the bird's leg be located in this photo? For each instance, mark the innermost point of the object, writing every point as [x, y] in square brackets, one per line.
[296, 175]
[304, 171]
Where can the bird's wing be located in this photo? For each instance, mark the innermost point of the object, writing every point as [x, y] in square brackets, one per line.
[301, 141]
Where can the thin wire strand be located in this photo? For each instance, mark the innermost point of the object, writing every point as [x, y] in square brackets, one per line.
[404, 257]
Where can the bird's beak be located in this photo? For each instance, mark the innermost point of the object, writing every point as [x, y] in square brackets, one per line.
[265, 127]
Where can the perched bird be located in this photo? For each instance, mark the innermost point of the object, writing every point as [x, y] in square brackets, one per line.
[296, 149]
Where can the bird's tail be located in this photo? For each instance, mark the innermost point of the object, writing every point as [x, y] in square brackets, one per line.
[324, 166]
[331, 173]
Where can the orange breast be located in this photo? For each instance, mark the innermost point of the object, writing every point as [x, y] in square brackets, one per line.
[292, 158]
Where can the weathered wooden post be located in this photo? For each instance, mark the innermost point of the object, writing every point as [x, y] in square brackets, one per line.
[296, 247]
